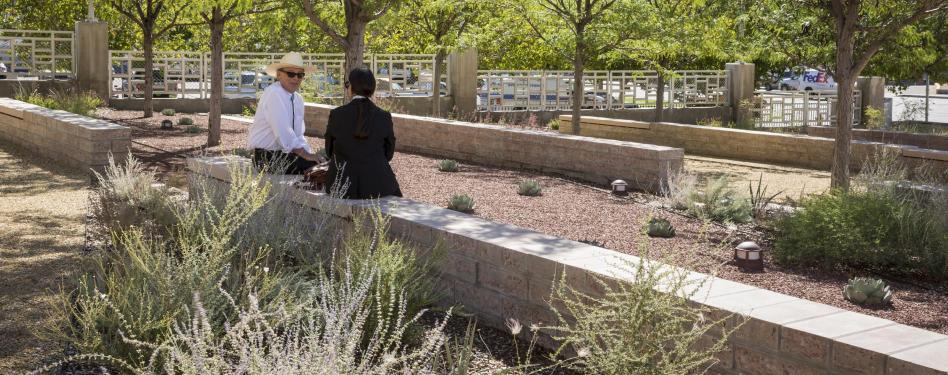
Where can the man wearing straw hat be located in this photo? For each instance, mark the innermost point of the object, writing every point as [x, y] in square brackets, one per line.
[276, 135]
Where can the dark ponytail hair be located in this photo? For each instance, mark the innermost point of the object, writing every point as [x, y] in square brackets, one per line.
[362, 82]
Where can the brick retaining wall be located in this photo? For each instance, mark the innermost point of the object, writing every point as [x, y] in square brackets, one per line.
[748, 145]
[501, 271]
[643, 166]
[61, 136]
[929, 141]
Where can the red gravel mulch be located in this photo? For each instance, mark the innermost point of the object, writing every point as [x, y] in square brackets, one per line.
[576, 211]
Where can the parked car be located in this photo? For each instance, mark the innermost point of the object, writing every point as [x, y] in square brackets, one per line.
[808, 80]
[427, 87]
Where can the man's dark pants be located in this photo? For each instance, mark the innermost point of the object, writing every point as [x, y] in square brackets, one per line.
[289, 163]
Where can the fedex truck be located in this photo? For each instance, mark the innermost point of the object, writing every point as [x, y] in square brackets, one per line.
[808, 80]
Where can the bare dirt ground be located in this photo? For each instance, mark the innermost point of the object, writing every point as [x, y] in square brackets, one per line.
[790, 182]
[42, 215]
[580, 211]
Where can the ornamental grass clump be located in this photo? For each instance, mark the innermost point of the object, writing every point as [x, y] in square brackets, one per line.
[715, 200]
[83, 103]
[461, 203]
[530, 188]
[447, 165]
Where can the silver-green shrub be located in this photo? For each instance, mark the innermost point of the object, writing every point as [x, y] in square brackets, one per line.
[144, 285]
[530, 188]
[127, 194]
[644, 325]
[249, 239]
[185, 121]
[447, 165]
[168, 112]
[461, 203]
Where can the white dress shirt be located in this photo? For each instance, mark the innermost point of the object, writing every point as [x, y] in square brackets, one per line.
[278, 123]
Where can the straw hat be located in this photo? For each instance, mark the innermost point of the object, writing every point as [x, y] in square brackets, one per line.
[290, 60]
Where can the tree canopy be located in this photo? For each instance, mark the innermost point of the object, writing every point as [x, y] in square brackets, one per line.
[688, 34]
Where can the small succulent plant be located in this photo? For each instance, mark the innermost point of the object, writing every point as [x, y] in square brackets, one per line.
[592, 242]
[168, 111]
[185, 121]
[462, 203]
[447, 165]
[658, 227]
[530, 188]
[867, 291]
[193, 129]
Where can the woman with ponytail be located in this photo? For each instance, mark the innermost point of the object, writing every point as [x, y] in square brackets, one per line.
[360, 141]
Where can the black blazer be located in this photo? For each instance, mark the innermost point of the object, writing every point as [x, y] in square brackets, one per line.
[363, 162]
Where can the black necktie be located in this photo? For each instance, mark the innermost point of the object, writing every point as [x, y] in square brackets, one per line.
[293, 116]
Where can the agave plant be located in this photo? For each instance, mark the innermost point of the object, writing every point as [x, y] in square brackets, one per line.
[447, 165]
[530, 188]
[658, 227]
[867, 291]
[462, 203]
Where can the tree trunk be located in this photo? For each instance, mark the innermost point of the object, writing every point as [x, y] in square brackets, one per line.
[578, 92]
[845, 30]
[148, 46]
[217, 78]
[436, 84]
[356, 48]
[660, 98]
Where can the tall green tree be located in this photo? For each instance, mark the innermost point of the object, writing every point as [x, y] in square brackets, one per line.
[679, 34]
[357, 14]
[593, 27]
[861, 29]
[216, 14]
[443, 21]
[154, 18]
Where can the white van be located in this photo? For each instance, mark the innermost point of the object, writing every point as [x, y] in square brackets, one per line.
[808, 80]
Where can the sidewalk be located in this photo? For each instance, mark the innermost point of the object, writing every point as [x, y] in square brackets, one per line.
[42, 215]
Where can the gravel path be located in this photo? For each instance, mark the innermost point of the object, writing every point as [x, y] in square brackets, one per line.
[579, 211]
[42, 210]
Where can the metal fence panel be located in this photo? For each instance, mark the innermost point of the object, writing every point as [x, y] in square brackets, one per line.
[784, 109]
[514, 90]
[182, 74]
[175, 74]
[34, 54]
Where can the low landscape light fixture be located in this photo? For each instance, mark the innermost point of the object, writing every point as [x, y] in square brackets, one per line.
[619, 188]
[167, 124]
[749, 257]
